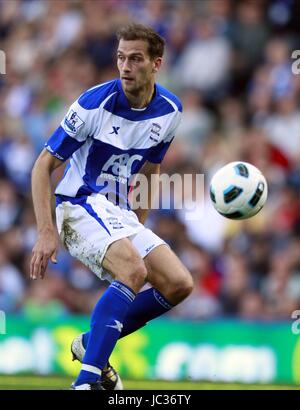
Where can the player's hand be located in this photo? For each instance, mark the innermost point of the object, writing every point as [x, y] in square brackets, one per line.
[45, 248]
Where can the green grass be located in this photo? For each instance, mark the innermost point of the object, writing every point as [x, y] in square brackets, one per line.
[29, 382]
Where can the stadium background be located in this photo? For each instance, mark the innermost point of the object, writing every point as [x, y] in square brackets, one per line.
[230, 62]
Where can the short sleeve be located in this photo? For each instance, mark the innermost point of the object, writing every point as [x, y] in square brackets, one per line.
[72, 132]
[158, 152]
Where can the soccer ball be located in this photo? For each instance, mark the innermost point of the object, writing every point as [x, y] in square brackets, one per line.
[238, 190]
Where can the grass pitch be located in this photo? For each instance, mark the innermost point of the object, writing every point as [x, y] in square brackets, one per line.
[30, 382]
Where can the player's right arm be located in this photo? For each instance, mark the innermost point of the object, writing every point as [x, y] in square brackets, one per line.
[47, 242]
[72, 133]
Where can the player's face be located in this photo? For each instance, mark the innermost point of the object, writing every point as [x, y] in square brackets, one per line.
[136, 67]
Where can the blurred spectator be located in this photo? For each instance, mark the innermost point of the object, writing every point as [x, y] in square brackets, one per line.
[197, 122]
[283, 126]
[18, 160]
[44, 300]
[9, 205]
[281, 288]
[236, 282]
[11, 283]
[249, 34]
[251, 306]
[204, 63]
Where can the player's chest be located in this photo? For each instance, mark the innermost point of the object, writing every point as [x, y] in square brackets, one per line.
[123, 133]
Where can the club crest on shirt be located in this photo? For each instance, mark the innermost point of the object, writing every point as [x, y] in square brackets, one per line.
[154, 132]
[73, 122]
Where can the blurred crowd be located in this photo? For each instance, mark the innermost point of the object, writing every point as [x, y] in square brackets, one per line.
[230, 63]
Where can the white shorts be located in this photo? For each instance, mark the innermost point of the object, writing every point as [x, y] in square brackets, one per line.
[90, 224]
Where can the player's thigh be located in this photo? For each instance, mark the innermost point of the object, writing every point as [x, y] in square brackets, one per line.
[87, 229]
[167, 273]
[124, 263]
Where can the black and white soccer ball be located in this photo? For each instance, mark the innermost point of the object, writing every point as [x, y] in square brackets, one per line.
[238, 190]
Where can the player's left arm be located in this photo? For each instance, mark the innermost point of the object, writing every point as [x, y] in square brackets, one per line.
[151, 171]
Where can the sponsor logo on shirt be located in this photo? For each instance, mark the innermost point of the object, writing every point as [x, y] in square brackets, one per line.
[115, 130]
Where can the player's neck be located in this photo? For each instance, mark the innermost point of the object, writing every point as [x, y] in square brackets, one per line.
[142, 98]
